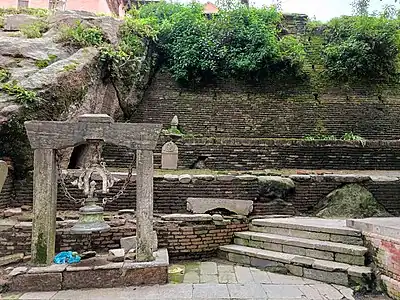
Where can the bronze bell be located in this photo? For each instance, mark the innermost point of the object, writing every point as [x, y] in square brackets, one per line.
[91, 218]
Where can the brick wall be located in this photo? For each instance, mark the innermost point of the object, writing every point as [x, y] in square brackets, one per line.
[170, 196]
[270, 109]
[251, 154]
[7, 192]
[386, 252]
[183, 240]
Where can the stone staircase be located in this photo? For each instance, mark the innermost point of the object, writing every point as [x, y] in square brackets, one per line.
[319, 249]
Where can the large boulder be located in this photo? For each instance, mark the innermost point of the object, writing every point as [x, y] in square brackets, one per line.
[350, 201]
[276, 186]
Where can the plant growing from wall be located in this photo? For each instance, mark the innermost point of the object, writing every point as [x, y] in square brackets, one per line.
[44, 63]
[239, 42]
[22, 96]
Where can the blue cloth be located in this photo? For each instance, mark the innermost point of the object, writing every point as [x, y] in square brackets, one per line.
[68, 257]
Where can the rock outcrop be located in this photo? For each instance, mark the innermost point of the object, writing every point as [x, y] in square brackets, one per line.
[45, 79]
[350, 201]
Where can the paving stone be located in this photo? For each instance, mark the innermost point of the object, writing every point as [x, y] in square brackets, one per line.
[208, 268]
[310, 292]
[180, 291]
[246, 291]
[225, 268]
[243, 274]
[260, 276]
[208, 278]
[325, 276]
[37, 295]
[210, 291]
[191, 277]
[348, 293]
[328, 291]
[283, 291]
[285, 279]
[227, 278]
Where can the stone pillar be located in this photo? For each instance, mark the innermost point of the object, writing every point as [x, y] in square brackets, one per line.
[44, 206]
[144, 205]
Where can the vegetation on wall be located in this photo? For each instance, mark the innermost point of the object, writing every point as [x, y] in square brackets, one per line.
[241, 43]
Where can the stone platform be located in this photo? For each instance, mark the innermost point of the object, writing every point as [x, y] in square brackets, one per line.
[91, 273]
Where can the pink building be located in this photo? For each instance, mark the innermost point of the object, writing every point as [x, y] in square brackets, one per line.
[96, 6]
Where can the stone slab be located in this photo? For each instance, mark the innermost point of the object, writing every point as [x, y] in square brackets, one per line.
[210, 291]
[3, 173]
[203, 205]
[325, 276]
[330, 226]
[48, 269]
[16, 22]
[92, 279]
[389, 227]
[246, 291]
[37, 295]
[201, 217]
[283, 292]
[12, 258]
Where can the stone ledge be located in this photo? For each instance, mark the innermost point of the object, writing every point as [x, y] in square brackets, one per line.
[57, 277]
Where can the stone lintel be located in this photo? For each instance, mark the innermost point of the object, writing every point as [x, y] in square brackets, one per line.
[59, 135]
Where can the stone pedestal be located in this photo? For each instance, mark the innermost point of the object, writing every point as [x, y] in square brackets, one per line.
[144, 205]
[44, 206]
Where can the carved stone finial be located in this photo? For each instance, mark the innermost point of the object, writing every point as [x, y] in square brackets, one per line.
[174, 121]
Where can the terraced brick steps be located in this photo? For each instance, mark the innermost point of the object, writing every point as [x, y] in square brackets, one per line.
[309, 228]
[322, 270]
[320, 249]
[306, 247]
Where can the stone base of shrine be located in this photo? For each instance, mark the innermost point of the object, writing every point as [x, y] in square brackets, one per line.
[91, 273]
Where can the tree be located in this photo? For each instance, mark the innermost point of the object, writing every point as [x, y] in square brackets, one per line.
[113, 5]
[360, 8]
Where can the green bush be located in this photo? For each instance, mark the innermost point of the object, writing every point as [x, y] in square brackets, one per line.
[35, 30]
[241, 42]
[361, 48]
[81, 35]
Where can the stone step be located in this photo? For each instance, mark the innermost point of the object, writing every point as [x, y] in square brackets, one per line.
[309, 228]
[321, 270]
[306, 247]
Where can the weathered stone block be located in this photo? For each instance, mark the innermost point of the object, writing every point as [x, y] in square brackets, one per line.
[92, 279]
[331, 277]
[3, 173]
[239, 258]
[147, 276]
[294, 250]
[169, 156]
[350, 259]
[9, 259]
[295, 270]
[319, 254]
[37, 282]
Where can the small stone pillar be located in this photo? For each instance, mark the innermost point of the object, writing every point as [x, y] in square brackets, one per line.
[3, 173]
[144, 205]
[44, 206]
[169, 156]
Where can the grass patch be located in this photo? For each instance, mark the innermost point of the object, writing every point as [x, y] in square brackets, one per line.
[22, 95]
[70, 67]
